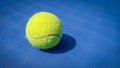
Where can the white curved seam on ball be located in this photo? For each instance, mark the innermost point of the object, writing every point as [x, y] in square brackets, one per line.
[56, 35]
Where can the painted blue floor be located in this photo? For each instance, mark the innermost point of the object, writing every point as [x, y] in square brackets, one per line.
[91, 36]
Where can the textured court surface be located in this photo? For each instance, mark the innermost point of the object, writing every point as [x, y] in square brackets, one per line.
[91, 36]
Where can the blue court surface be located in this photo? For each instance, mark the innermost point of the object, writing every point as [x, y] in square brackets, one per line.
[91, 36]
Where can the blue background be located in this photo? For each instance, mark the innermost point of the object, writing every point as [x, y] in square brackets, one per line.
[91, 37]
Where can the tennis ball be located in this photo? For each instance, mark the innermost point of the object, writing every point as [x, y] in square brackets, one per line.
[44, 30]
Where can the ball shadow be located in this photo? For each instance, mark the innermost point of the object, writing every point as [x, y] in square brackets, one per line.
[66, 44]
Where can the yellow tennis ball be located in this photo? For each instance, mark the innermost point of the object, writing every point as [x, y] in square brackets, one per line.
[44, 30]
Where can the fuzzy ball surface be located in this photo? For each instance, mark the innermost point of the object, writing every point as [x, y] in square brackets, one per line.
[44, 30]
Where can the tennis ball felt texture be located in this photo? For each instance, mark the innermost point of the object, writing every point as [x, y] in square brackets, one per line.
[44, 30]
